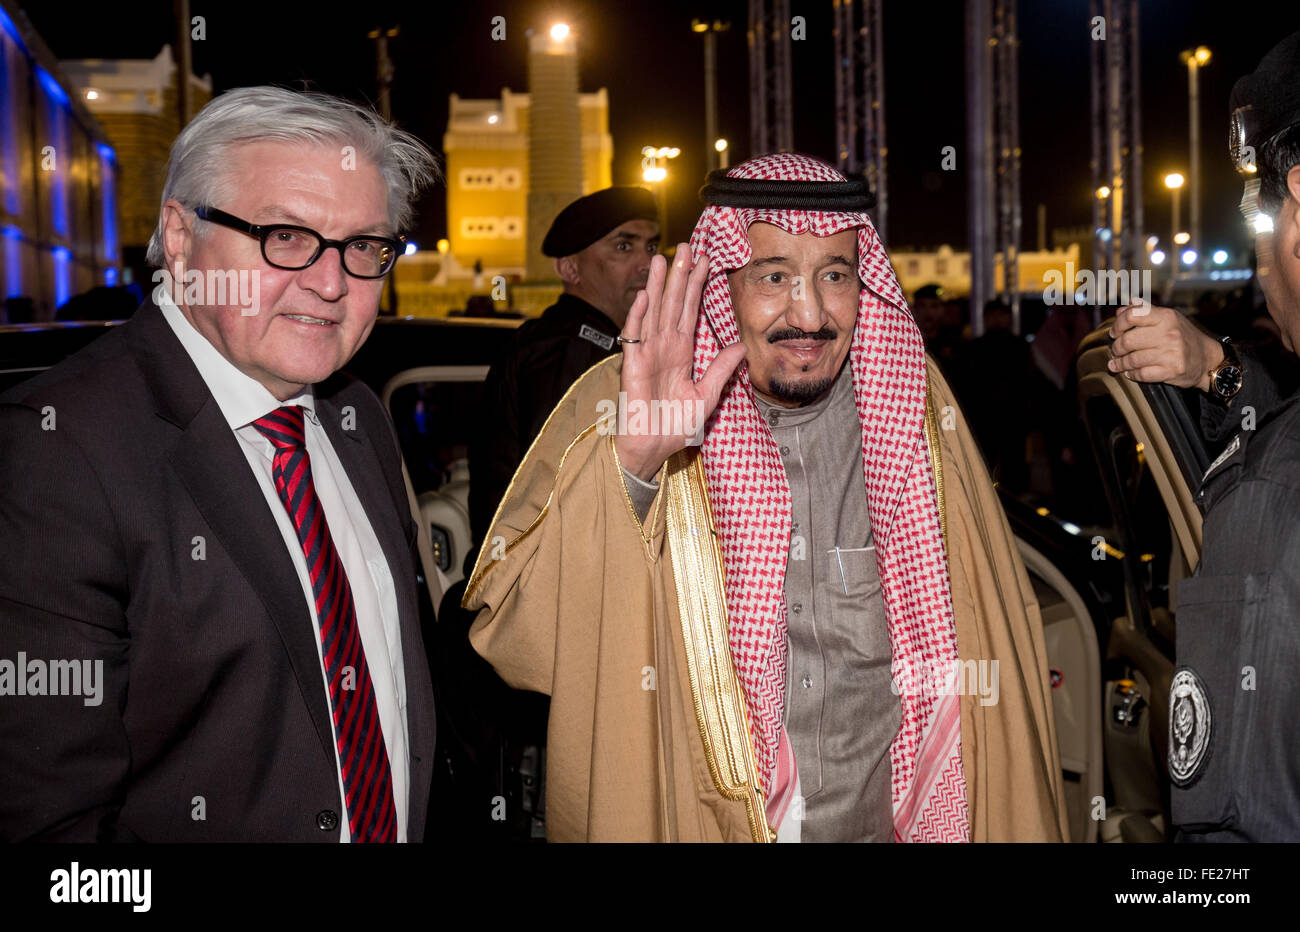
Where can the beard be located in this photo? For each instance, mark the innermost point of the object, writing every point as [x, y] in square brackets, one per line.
[800, 392]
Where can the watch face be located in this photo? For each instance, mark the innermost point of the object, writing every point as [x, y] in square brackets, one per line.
[1227, 381]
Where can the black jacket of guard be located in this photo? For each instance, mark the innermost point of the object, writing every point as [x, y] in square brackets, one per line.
[1233, 708]
[545, 357]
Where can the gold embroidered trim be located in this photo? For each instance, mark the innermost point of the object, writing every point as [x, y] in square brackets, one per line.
[627, 497]
[476, 575]
[932, 437]
[720, 710]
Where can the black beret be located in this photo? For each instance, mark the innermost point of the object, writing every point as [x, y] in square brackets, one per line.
[589, 218]
[1268, 101]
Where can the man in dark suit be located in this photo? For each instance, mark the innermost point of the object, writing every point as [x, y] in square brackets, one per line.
[208, 604]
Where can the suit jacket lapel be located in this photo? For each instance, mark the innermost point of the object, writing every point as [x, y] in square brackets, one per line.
[207, 458]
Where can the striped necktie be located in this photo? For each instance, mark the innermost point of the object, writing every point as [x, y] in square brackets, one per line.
[367, 779]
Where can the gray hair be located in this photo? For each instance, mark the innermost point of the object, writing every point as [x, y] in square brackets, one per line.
[198, 166]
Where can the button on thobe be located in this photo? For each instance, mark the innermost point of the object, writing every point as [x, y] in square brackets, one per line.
[840, 712]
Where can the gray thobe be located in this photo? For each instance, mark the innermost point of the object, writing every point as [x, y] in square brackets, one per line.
[840, 712]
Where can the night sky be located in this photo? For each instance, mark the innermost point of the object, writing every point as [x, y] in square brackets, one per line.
[652, 65]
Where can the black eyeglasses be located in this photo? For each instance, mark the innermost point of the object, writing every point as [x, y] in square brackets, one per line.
[292, 248]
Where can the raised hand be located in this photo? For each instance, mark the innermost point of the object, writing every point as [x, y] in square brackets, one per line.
[657, 368]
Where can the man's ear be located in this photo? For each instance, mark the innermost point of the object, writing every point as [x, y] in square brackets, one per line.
[177, 234]
[1293, 188]
[567, 268]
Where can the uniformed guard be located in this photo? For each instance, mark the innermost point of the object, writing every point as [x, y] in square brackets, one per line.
[602, 244]
[1234, 760]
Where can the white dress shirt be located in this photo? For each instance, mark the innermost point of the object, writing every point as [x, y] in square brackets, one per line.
[242, 401]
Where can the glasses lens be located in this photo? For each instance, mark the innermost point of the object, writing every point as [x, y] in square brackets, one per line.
[289, 248]
[369, 258]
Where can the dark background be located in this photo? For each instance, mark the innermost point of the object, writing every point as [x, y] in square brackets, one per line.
[652, 65]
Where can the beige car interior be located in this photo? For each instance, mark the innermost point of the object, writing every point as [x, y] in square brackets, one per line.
[1127, 727]
[445, 509]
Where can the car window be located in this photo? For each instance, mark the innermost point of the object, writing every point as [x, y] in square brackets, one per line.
[433, 421]
[1141, 536]
[433, 409]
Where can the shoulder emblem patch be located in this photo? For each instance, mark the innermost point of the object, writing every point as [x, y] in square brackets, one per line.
[1223, 457]
[592, 335]
[1190, 727]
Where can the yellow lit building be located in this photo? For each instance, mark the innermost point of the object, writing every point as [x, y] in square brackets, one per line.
[486, 146]
[951, 270]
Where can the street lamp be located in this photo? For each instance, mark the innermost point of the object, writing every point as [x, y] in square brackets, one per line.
[720, 146]
[710, 31]
[560, 32]
[654, 172]
[1195, 59]
[1174, 182]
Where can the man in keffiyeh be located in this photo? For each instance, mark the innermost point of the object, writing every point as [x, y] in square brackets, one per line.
[758, 565]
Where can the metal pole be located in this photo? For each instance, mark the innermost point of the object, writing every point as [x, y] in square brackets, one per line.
[880, 153]
[1194, 131]
[979, 141]
[1097, 70]
[184, 62]
[1173, 246]
[841, 66]
[661, 189]
[710, 96]
[1137, 225]
[384, 77]
[783, 91]
[1011, 76]
[384, 69]
[1114, 120]
[757, 37]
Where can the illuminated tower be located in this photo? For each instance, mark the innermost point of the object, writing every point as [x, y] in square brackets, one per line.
[554, 138]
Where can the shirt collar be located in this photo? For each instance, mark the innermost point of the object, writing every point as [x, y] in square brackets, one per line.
[781, 416]
[241, 398]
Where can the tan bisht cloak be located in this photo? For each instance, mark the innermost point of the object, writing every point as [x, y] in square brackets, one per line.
[624, 627]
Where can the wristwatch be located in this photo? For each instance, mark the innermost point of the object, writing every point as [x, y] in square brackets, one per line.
[1226, 377]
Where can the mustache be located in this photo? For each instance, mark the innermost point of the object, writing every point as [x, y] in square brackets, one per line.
[791, 333]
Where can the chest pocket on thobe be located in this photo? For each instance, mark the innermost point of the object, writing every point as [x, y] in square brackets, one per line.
[840, 675]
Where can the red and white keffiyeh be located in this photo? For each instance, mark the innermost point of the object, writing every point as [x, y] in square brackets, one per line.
[750, 497]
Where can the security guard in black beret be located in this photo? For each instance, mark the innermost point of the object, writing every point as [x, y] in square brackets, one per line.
[1234, 741]
[602, 244]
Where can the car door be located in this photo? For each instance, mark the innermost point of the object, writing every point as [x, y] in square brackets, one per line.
[1150, 457]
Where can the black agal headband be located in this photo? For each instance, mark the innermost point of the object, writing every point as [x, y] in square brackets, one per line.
[721, 190]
